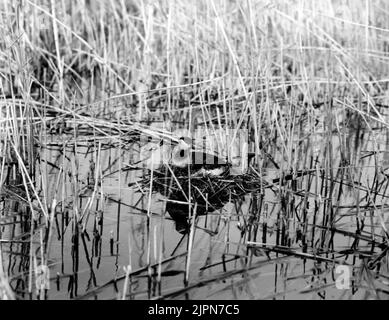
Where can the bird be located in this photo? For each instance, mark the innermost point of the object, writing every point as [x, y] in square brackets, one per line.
[190, 172]
[154, 155]
[182, 156]
[199, 163]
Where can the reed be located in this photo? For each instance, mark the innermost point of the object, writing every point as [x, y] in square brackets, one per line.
[83, 86]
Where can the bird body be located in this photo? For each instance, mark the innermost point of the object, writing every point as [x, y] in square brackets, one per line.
[180, 157]
[200, 163]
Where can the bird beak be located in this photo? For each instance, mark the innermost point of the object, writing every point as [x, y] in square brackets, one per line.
[185, 143]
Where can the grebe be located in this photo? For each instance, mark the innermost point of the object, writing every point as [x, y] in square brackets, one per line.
[199, 163]
[195, 173]
[180, 157]
[155, 155]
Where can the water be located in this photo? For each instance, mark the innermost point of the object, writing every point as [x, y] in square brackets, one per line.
[279, 244]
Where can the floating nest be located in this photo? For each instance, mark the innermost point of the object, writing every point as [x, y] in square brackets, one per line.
[205, 193]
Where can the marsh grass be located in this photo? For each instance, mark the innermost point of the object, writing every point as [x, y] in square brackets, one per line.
[83, 82]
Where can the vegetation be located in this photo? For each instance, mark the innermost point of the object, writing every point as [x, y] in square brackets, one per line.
[83, 83]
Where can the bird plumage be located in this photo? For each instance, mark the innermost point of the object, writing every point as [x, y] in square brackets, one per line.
[182, 156]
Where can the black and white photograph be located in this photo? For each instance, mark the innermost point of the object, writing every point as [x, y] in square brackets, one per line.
[208, 152]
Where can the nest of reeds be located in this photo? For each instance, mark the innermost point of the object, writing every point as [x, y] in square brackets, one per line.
[206, 192]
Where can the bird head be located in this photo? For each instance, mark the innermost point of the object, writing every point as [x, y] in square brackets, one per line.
[181, 155]
[154, 155]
